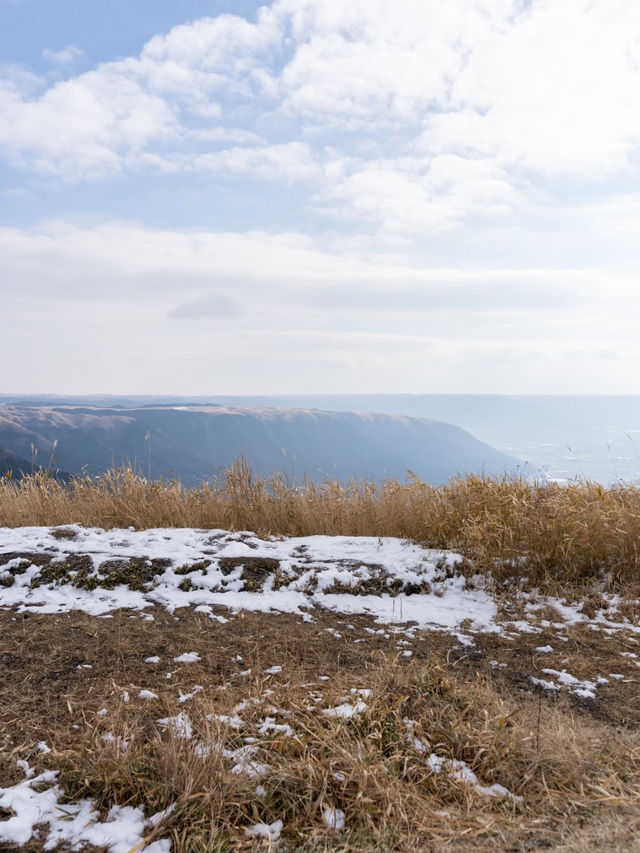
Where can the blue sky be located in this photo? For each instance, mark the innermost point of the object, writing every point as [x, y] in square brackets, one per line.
[312, 195]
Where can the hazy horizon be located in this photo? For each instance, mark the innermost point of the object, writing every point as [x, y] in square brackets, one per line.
[557, 437]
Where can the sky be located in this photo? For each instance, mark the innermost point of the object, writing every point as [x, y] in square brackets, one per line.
[320, 196]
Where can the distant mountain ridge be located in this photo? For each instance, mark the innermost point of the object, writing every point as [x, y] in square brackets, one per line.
[193, 443]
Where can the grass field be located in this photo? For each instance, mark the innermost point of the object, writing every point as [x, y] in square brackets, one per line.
[329, 729]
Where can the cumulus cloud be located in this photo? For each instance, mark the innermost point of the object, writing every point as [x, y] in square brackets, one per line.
[292, 161]
[411, 116]
[85, 126]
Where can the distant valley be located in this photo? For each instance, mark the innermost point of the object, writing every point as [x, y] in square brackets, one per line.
[557, 437]
[196, 442]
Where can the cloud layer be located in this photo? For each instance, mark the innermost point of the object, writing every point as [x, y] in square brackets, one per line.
[425, 196]
[136, 308]
[412, 115]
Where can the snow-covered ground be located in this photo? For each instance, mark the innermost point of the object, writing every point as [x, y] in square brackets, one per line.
[40, 810]
[301, 573]
[393, 580]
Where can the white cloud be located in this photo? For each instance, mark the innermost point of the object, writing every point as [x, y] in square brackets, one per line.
[411, 195]
[107, 119]
[235, 274]
[554, 92]
[65, 56]
[412, 116]
[85, 126]
[290, 161]
[468, 171]
[371, 63]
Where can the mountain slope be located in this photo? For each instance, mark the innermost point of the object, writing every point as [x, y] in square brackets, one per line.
[195, 442]
[12, 465]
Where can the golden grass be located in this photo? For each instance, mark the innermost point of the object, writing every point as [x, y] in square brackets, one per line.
[571, 767]
[365, 766]
[546, 532]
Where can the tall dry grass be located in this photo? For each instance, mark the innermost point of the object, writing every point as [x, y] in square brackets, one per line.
[544, 531]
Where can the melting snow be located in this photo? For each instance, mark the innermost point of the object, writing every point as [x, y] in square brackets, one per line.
[459, 771]
[187, 657]
[270, 725]
[147, 694]
[270, 832]
[583, 689]
[36, 802]
[180, 725]
[310, 568]
[346, 711]
[333, 818]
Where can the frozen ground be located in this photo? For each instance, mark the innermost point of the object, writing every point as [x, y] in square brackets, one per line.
[220, 575]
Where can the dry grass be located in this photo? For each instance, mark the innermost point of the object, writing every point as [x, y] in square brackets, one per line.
[548, 532]
[576, 771]
[575, 763]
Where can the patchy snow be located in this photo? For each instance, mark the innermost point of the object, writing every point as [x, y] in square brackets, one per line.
[459, 771]
[583, 689]
[23, 765]
[231, 720]
[37, 802]
[180, 725]
[118, 742]
[269, 726]
[187, 657]
[213, 569]
[571, 614]
[346, 711]
[313, 571]
[412, 739]
[198, 688]
[244, 762]
[333, 818]
[546, 685]
[270, 832]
